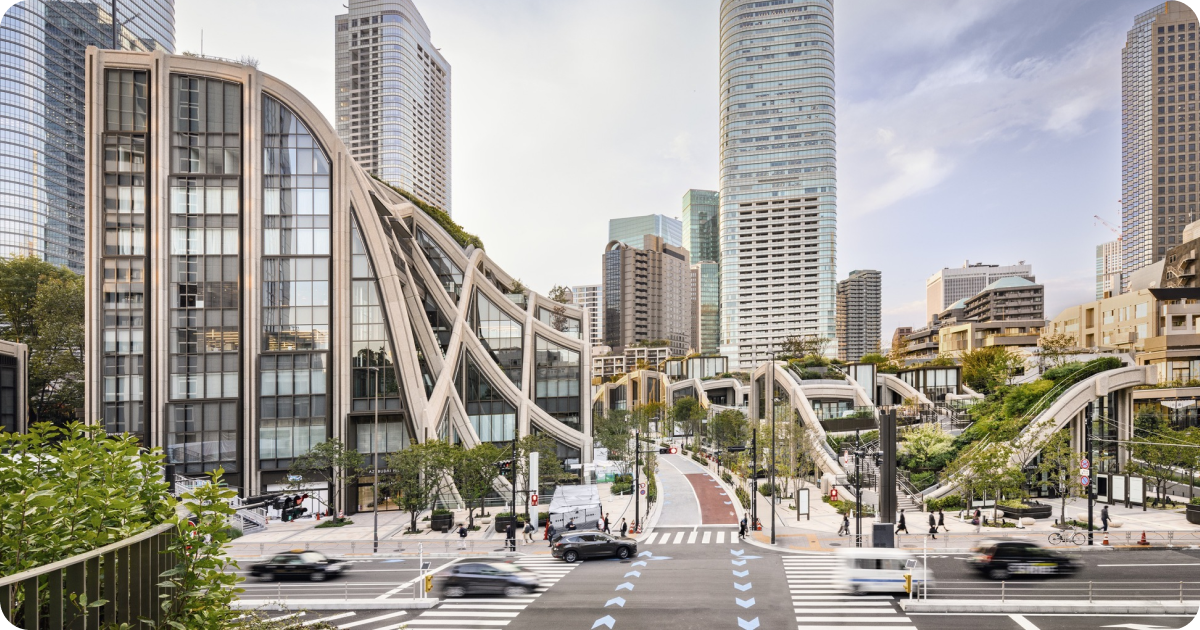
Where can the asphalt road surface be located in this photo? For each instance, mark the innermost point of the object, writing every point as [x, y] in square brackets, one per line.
[365, 579]
[1113, 574]
[1048, 622]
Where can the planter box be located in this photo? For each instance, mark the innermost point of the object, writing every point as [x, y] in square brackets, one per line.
[1193, 514]
[441, 522]
[502, 525]
[1038, 510]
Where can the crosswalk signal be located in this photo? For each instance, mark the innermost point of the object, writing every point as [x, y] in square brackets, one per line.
[428, 582]
[908, 583]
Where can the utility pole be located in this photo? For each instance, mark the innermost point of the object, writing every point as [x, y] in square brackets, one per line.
[1087, 454]
[774, 488]
[512, 521]
[753, 478]
[637, 478]
[375, 448]
[857, 490]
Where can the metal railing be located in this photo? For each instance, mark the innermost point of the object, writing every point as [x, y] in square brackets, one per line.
[1094, 591]
[964, 536]
[124, 574]
[400, 545]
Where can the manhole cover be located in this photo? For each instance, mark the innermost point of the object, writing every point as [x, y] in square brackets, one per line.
[835, 544]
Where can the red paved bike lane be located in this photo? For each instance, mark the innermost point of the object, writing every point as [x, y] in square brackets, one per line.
[715, 507]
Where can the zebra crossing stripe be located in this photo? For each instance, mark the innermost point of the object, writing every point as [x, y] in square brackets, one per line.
[692, 538]
[721, 537]
[679, 538]
[707, 536]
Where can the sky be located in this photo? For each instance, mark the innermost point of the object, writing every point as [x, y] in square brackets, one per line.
[976, 130]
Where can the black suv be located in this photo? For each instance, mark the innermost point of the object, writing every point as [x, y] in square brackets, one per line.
[1004, 559]
[476, 578]
[299, 564]
[574, 546]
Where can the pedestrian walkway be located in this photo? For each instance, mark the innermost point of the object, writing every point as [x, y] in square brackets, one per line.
[819, 603]
[465, 612]
[690, 536]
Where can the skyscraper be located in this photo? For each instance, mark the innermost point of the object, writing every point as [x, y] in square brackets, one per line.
[590, 298]
[1158, 143]
[393, 97]
[647, 295]
[701, 235]
[707, 318]
[1108, 268]
[778, 223]
[630, 230]
[858, 314]
[951, 285]
[42, 147]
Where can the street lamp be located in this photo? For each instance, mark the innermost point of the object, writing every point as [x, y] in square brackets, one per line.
[771, 400]
[859, 454]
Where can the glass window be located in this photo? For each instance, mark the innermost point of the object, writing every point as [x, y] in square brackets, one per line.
[500, 334]
[556, 382]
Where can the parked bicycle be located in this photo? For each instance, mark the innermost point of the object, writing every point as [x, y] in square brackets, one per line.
[1068, 535]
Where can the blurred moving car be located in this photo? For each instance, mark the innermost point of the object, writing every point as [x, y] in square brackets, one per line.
[486, 578]
[572, 546]
[1003, 559]
[299, 564]
[878, 570]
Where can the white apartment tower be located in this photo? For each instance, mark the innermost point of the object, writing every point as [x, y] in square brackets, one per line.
[393, 98]
[778, 187]
[590, 299]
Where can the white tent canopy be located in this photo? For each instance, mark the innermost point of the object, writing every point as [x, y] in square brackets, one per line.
[581, 503]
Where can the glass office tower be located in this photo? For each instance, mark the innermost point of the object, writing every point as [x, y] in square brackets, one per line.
[778, 224]
[43, 115]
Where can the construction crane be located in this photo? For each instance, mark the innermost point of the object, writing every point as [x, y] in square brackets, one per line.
[1108, 225]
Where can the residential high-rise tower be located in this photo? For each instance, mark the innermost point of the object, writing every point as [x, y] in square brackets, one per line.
[701, 230]
[590, 298]
[647, 295]
[778, 187]
[1108, 269]
[1158, 140]
[951, 285]
[43, 118]
[858, 314]
[393, 97]
[630, 230]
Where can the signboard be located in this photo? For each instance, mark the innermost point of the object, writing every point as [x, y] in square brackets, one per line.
[802, 502]
[642, 489]
[1085, 480]
[1085, 472]
[833, 494]
[1085, 464]
[533, 499]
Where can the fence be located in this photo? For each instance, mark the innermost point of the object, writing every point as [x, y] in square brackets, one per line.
[391, 546]
[968, 538]
[1074, 591]
[124, 574]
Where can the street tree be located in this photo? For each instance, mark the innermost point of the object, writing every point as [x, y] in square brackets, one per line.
[613, 431]
[800, 346]
[986, 369]
[1059, 466]
[475, 471]
[1157, 451]
[331, 462]
[1057, 349]
[730, 428]
[688, 414]
[418, 474]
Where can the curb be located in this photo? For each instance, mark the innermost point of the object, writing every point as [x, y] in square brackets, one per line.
[1056, 607]
[336, 604]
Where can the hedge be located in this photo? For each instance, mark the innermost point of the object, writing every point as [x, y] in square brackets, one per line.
[742, 496]
[951, 502]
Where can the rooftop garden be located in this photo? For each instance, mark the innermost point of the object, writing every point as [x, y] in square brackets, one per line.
[442, 217]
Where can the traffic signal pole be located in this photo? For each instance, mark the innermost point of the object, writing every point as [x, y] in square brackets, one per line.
[1087, 454]
[512, 520]
[754, 480]
[637, 479]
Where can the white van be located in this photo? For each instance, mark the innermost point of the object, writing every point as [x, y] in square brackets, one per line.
[877, 570]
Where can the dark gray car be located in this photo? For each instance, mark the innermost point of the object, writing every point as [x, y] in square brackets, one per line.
[574, 546]
[486, 578]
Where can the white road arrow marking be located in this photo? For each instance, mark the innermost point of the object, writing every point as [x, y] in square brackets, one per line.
[646, 554]
[744, 603]
[1136, 626]
[741, 573]
[620, 601]
[634, 574]
[748, 625]
[627, 586]
[606, 620]
[639, 563]
[738, 563]
[743, 587]
[738, 552]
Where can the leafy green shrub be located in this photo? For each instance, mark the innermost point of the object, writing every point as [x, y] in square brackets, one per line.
[1195, 501]
[1021, 397]
[334, 523]
[766, 489]
[727, 477]
[442, 218]
[441, 512]
[743, 497]
[622, 487]
[1016, 504]
[1066, 369]
[922, 480]
[951, 502]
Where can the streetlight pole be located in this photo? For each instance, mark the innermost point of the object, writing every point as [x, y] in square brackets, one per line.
[637, 479]
[754, 479]
[375, 457]
[512, 515]
[774, 488]
[858, 453]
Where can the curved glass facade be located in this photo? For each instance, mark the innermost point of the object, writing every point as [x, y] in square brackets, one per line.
[42, 45]
[778, 197]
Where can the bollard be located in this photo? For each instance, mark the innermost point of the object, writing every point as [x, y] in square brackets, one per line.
[1089, 591]
[1002, 592]
[1181, 592]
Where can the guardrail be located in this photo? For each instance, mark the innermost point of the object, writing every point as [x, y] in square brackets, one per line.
[1005, 590]
[967, 538]
[388, 547]
[125, 574]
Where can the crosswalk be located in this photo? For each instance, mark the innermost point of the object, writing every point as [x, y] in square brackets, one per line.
[465, 613]
[690, 536]
[820, 605]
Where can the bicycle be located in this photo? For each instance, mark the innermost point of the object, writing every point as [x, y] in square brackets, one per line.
[1062, 538]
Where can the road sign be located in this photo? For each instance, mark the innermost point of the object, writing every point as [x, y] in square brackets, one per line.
[1085, 472]
[833, 494]
[1084, 463]
[1085, 480]
[533, 499]
[642, 489]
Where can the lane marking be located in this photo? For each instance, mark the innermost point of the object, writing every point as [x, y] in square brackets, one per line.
[325, 619]
[1163, 564]
[650, 539]
[1023, 622]
[720, 537]
[692, 538]
[707, 537]
[355, 624]
[679, 537]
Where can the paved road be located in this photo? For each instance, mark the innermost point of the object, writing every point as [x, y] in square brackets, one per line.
[365, 579]
[1048, 622]
[1115, 574]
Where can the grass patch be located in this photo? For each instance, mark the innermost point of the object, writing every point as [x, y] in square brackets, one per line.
[334, 523]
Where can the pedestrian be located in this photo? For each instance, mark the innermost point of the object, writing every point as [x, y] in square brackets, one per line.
[932, 527]
[742, 529]
[903, 525]
[551, 533]
[942, 520]
[571, 525]
[1104, 517]
[624, 528]
[462, 536]
[529, 532]
[977, 521]
[845, 529]
[606, 525]
[510, 534]
[546, 533]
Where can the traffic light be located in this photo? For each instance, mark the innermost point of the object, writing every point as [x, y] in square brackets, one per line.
[286, 509]
[735, 449]
[908, 583]
[505, 466]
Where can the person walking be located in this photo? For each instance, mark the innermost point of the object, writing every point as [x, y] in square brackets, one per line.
[902, 526]
[551, 533]
[624, 528]
[529, 532]
[462, 536]
[606, 525]
[978, 520]
[932, 527]
[510, 535]
[742, 529]
[571, 525]
[1104, 517]
[845, 528]
[941, 523]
